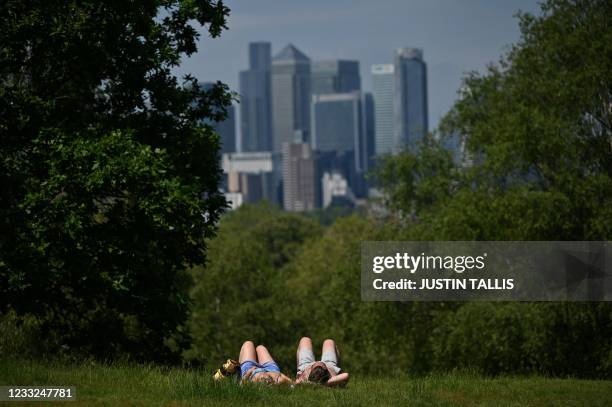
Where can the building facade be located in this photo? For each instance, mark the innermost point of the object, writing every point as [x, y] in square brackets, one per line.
[368, 132]
[334, 187]
[410, 99]
[338, 137]
[256, 99]
[336, 122]
[335, 76]
[227, 131]
[299, 177]
[250, 177]
[383, 79]
[290, 97]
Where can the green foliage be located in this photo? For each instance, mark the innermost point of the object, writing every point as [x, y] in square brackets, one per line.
[425, 178]
[109, 178]
[326, 285]
[245, 293]
[538, 130]
[239, 295]
[20, 335]
[548, 338]
[329, 215]
[538, 135]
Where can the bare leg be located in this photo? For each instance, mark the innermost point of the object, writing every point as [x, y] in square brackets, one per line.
[305, 358]
[329, 345]
[304, 345]
[263, 355]
[330, 352]
[247, 352]
[331, 358]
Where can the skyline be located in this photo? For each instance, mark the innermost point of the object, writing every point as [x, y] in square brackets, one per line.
[456, 38]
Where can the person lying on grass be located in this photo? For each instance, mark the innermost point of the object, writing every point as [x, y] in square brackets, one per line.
[257, 366]
[326, 371]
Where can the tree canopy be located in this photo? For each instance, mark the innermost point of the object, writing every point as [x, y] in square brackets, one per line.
[537, 128]
[109, 175]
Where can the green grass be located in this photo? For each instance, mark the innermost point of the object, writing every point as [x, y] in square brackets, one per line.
[123, 384]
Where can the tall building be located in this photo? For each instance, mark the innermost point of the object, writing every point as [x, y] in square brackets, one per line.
[383, 79]
[336, 123]
[255, 100]
[227, 131]
[290, 97]
[410, 98]
[368, 132]
[337, 137]
[226, 128]
[335, 76]
[299, 177]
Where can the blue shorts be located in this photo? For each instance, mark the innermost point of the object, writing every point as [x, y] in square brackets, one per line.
[270, 366]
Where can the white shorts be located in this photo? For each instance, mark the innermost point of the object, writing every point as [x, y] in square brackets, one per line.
[306, 358]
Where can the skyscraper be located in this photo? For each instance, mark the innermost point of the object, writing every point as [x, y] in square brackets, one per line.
[336, 123]
[255, 100]
[335, 76]
[368, 132]
[383, 79]
[227, 131]
[290, 97]
[338, 137]
[227, 128]
[410, 98]
[299, 177]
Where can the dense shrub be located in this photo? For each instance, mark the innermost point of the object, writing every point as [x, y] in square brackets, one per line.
[20, 336]
[547, 338]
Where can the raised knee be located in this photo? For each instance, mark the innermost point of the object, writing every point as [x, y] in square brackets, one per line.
[329, 342]
[305, 340]
[260, 347]
[248, 343]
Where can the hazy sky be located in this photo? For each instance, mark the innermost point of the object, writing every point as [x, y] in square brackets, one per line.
[456, 36]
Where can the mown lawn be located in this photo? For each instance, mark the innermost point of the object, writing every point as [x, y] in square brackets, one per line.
[123, 384]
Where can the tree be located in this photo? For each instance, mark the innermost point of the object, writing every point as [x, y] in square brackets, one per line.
[109, 176]
[539, 129]
[241, 292]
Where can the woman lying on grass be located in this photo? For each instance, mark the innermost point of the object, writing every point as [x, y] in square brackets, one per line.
[257, 365]
[326, 371]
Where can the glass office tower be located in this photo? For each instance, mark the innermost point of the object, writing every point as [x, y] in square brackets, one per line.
[410, 99]
[290, 97]
[383, 79]
[335, 76]
[256, 100]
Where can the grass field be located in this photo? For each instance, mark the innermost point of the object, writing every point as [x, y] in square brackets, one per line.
[152, 386]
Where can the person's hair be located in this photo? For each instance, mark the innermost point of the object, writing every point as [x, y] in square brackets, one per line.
[319, 374]
[266, 379]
